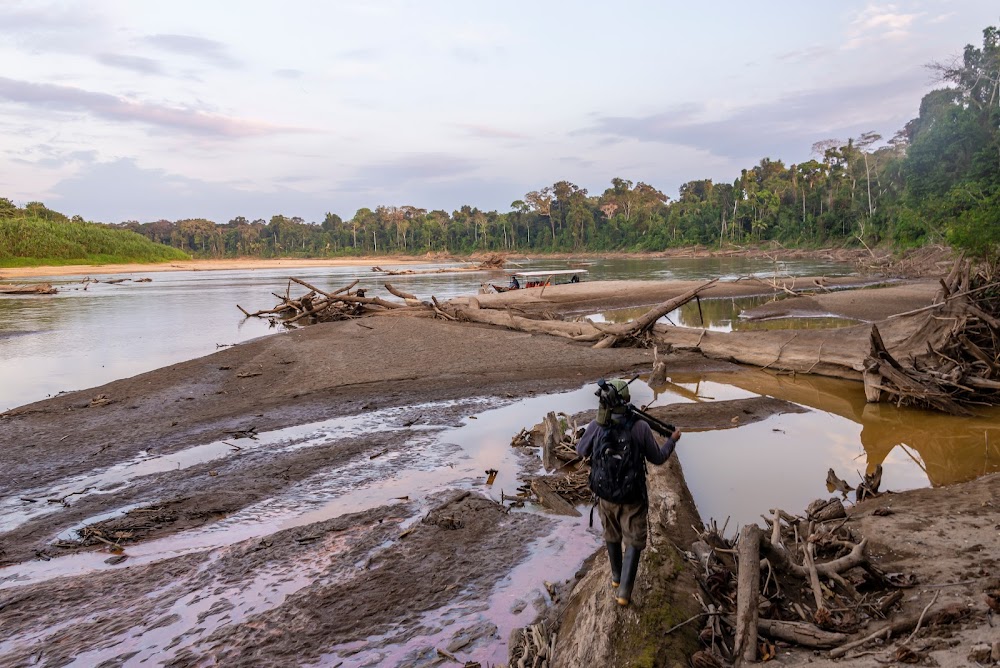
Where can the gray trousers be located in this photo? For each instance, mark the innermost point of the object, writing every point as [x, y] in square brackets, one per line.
[624, 522]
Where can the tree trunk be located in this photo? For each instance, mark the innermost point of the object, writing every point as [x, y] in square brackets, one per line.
[747, 593]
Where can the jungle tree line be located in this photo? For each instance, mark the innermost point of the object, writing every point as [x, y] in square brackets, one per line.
[937, 179]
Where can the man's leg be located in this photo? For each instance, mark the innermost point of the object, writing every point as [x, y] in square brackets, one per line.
[615, 557]
[608, 513]
[633, 525]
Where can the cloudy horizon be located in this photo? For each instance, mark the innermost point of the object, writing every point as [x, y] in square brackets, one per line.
[130, 111]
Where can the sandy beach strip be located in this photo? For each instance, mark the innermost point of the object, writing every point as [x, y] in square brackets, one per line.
[8, 273]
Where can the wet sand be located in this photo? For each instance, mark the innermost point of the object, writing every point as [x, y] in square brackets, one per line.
[251, 264]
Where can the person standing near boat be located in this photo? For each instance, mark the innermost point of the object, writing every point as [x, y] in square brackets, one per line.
[618, 445]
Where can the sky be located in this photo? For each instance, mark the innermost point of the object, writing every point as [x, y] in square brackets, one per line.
[120, 110]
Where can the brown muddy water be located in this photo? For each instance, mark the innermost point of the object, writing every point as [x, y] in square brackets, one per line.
[735, 474]
[724, 315]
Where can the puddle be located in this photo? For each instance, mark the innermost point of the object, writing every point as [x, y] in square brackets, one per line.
[783, 461]
[15, 511]
[478, 630]
[428, 462]
[724, 315]
[73, 533]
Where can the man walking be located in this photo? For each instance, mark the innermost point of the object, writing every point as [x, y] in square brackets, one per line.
[619, 444]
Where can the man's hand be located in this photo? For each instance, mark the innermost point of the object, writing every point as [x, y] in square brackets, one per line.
[676, 435]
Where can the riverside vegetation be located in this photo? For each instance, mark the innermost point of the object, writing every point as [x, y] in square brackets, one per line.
[936, 181]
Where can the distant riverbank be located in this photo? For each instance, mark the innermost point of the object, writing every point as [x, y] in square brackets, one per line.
[207, 265]
[920, 262]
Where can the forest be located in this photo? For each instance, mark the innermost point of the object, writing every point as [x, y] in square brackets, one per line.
[937, 180]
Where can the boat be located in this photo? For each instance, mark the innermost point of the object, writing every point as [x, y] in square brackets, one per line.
[539, 279]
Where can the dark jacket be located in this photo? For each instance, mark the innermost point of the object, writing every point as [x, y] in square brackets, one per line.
[641, 434]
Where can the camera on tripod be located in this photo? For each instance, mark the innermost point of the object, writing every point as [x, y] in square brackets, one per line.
[608, 395]
[611, 398]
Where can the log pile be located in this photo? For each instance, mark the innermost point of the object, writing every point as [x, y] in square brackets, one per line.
[567, 485]
[805, 581]
[490, 261]
[317, 305]
[953, 359]
[531, 647]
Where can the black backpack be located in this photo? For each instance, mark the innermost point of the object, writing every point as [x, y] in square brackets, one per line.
[617, 465]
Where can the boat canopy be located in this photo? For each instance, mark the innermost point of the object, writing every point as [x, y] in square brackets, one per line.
[543, 274]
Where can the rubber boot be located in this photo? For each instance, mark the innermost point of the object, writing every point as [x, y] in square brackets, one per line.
[630, 566]
[615, 557]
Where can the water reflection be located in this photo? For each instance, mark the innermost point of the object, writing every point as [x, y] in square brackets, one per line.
[723, 315]
[744, 470]
[946, 449]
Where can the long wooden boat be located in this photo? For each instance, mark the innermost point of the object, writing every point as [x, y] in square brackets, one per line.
[539, 279]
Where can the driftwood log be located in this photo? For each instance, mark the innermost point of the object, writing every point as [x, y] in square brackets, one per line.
[38, 289]
[747, 593]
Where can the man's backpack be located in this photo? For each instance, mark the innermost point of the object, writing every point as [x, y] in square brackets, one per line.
[617, 465]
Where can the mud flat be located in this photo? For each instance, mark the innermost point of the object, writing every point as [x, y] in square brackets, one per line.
[321, 497]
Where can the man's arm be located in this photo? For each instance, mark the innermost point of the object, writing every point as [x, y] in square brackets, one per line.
[656, 454]
[586, 443]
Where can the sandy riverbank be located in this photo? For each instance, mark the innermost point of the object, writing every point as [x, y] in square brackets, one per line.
[249, 264]
[847, 255]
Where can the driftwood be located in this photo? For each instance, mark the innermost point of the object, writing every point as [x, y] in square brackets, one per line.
[748, 590]
[321, 306]
[551, 500]
[952, 358]
[900, 625]
[550, 441]
[616, 334]
[805, 575]
[38, 289]
[800, 633]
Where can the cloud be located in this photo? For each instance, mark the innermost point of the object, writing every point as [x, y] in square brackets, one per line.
[53, 27]
[103, 105]
[365, 55]
[43, 18]
[780, 128]
[942, 18]
[413, 167]
[288, 73]
[52, 157]
[207, 50]
[134, 63]
[880, 23]
[121, 190]
[809, 54]
[489, 132]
